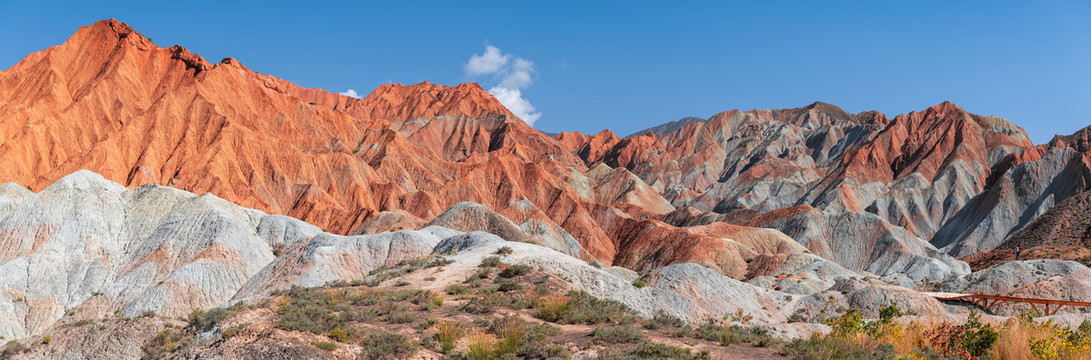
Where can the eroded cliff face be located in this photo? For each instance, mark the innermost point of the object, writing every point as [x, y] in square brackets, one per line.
[899, 195]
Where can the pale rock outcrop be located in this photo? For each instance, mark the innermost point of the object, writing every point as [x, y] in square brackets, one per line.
[327, 257]
[11, 194]
[469, 216]
[88, 245]
[862, 241]
[626, 274]
[869, 299]
[689, 291]
[1039, 279]
[710, 295]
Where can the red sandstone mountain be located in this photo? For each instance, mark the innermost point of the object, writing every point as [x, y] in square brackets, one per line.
[111, 101]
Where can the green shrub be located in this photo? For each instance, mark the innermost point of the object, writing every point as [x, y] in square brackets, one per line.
[482, 273]
[504, 251]
[491, 261]
[366, 298]
[681, 332]
[973, 337]
[403, 295]
[888, 313]
[587, 309]
[426, 324]
[796, 317]
[477, 306]
[619, 334]
[387, 346]
[201, 320]
[12, 347]
[508, 285]
[727, 335]
[540, 331]
[391, 308]
[486, 290]
[539, 350]
[325, 345]
[342, 335]
[457, 290]
[437, 262]
[639, 284]
[715, 333]
[311, 310]
[366, 315]
[515, 270]
[231, 332]
[427, 299]
[579, 307]
[483, 305]
[851, 322]
[165, 343]
[661, 318]
[399, 318]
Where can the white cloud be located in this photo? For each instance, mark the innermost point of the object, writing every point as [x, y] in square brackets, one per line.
[488, 63]
[514, 101]
[518, 74]
[350, 93]
[514, 76]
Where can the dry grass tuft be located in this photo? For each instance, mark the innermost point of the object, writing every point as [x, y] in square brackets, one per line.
[512, 331]
[553, 307]
[1013, 342]
[448, 333]
[480, 345]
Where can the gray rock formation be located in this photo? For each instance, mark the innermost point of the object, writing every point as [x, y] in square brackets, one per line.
[89, 246]
[469, 216]
[669, 127]
[863, 241]
[1039, 279]
[1019, 196]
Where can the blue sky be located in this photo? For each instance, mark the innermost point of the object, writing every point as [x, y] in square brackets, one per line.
[630, 65]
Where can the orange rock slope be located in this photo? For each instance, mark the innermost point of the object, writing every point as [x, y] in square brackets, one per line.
[111, 101]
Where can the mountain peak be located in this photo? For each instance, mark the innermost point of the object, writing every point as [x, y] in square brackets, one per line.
[108, 30]
[945, 109]
[111, 25]
[824, 107]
